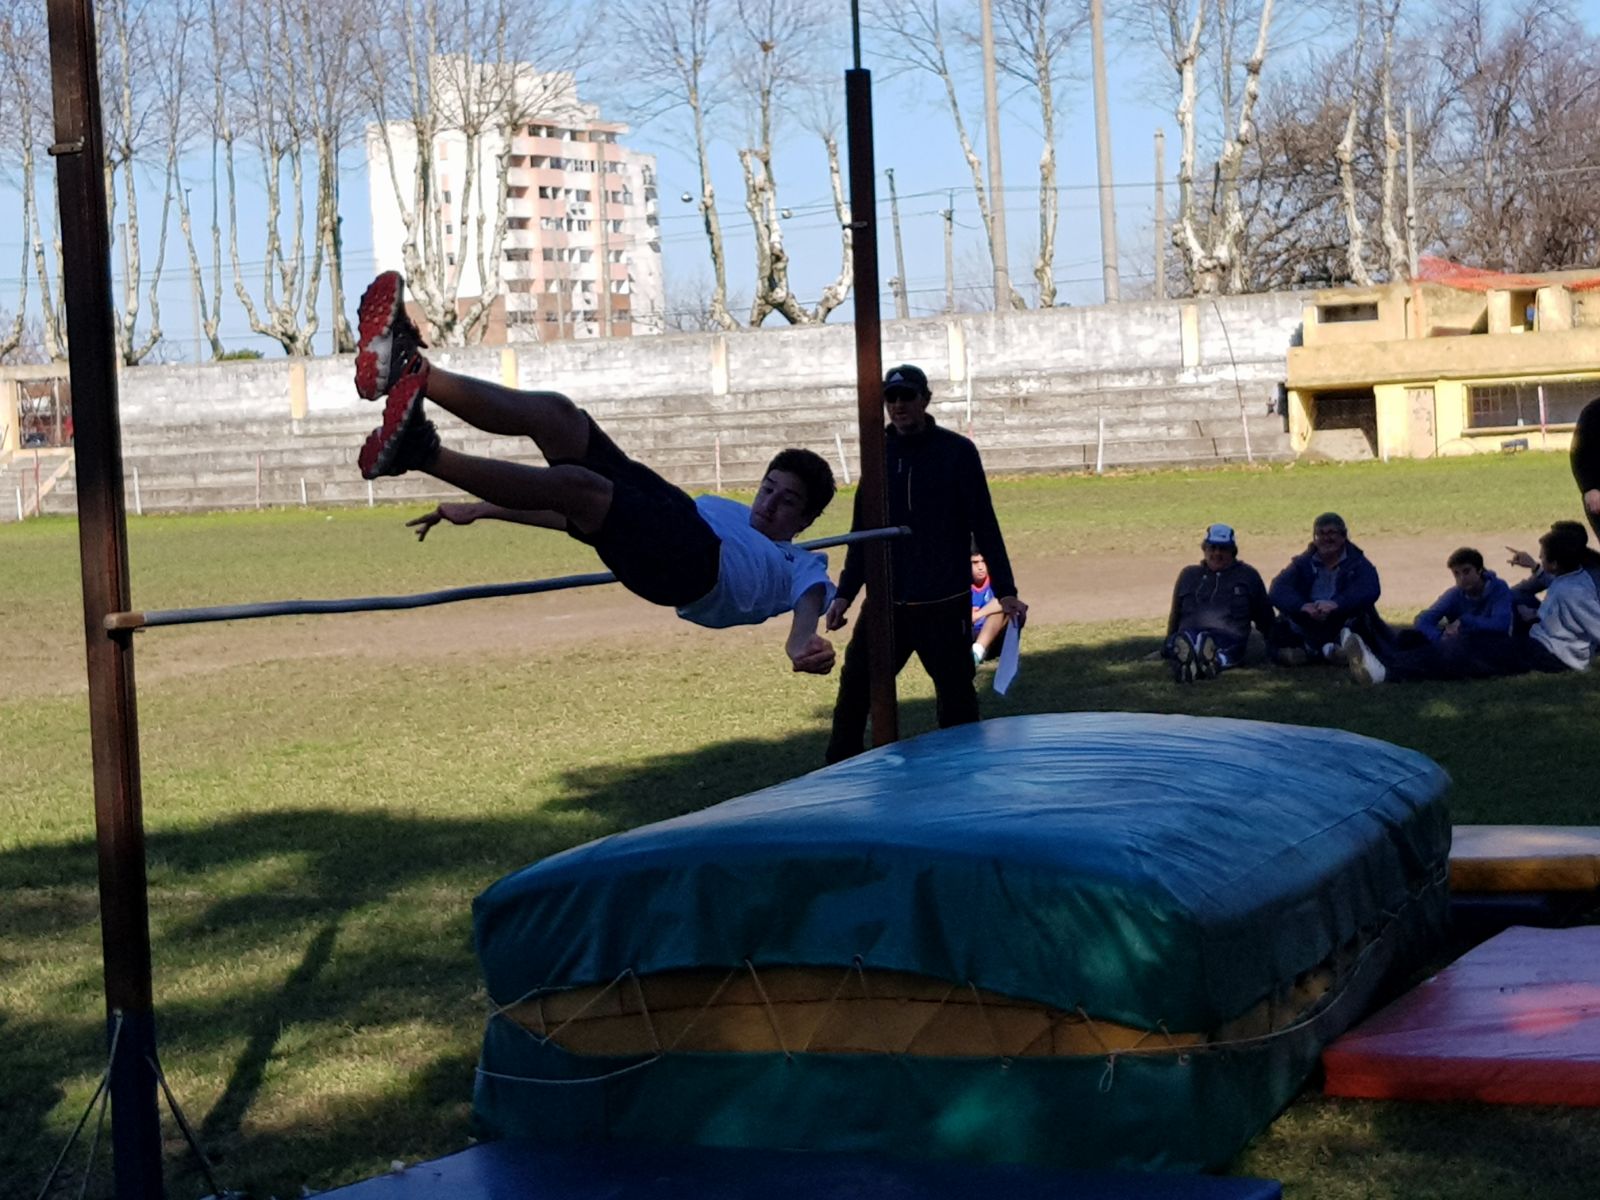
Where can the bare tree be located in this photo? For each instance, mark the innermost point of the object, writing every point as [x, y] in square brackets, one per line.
[1196, 40]
[328, 32]
[1520, 105]
[673, 54]
[21, 98]
[472, 75]
[917, 39]
[136, 37]
[265, 75]
[1032, 38]
[775, 72]
[1345, 152]
[1395, 248]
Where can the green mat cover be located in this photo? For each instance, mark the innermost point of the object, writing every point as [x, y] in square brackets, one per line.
[1156, 871]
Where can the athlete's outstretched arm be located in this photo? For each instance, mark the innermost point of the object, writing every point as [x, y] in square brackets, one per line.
[807, 649]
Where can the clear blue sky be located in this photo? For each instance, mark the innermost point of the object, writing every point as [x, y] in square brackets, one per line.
[915, 137]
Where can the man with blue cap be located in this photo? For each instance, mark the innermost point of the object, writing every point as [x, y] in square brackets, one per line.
[1214, 603]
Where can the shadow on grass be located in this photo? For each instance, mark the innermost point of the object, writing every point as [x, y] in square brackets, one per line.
[335, 895]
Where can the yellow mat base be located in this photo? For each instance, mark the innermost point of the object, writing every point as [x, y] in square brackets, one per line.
[1525, 858]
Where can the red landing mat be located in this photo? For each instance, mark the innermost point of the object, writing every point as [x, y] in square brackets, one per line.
[1515, 1021]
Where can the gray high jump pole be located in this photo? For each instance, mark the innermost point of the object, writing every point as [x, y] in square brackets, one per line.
[79, 151]
[129, 621]
[875, 612]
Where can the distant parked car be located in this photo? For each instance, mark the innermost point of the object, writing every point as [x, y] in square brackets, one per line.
[35, 437]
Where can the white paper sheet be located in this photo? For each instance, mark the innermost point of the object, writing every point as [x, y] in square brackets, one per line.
[1010, 652]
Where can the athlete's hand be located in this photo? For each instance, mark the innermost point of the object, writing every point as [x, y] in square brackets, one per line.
[814, 657]
[456, 514]
[1016, 610]
[834, 619]
[1591, 502]
[1521, 558]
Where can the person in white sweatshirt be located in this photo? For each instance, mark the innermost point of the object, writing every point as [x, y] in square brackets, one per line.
[1567, 635]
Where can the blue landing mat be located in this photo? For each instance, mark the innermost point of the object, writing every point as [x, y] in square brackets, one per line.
[518, 1171]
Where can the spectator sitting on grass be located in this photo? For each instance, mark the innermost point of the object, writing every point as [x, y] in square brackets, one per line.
[1464, 634]
[1321, 593]
[1214, 603]
[988, 617]
[1565, 638]
[1568, 633]
[1525, 595]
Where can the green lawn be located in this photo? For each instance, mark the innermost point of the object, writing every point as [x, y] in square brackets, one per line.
[318, 824]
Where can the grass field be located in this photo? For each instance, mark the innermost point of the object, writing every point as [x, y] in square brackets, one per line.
[324, 799]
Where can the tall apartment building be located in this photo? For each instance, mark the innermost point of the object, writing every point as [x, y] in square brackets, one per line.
[581, 256]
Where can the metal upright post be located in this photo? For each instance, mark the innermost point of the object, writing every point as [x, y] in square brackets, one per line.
[1161, 215]
[869, 395]
[902, 305]
[1102, 140]
[997, 187]
[949, 216]
[79, 152]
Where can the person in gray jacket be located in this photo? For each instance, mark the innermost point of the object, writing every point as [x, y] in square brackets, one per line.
[1214, 603]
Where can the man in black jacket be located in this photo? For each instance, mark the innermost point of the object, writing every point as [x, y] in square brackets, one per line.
[935, 485]
[1586, 461]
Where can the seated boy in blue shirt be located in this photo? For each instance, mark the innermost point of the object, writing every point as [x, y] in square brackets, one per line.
[1464, 634]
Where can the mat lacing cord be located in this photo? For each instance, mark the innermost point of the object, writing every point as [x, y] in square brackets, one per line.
[102, 1099]
[988, 1023]
[853, 969]
[766, 1004]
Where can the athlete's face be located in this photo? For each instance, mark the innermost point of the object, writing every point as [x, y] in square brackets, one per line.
[779, 509]
[1218, 558]
[980, 571]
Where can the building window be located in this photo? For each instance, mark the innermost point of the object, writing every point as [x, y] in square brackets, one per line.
[449, 227]
[1334, 314]
[622, 314]
[1504, 405]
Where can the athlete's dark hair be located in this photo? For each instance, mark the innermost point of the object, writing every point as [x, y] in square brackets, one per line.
[1465, 557]
[813, 471]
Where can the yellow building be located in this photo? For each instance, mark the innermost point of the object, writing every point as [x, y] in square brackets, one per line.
[1458, 361]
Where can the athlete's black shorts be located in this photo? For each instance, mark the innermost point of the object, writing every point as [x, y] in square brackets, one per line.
[653, 539]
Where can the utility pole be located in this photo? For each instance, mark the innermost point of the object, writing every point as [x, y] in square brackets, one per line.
[1411, 202]
[605, 248]
[1102, 141]
[997, 192]
[1161, 215]
[949, 215]
[902, 309]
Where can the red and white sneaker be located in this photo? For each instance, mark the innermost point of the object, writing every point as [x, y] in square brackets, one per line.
[388, 339]
[406, 440]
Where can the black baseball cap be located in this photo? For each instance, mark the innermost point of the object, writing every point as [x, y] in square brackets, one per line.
[905, 378]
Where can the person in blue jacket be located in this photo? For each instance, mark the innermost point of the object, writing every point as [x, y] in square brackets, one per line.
[1465, 634]
[1321, 593]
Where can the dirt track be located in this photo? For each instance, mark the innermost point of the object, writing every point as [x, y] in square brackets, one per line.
[1060, 589]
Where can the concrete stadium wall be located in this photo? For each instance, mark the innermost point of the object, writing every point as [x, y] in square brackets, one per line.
[1150, 383]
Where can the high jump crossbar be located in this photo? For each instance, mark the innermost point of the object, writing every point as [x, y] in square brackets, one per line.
[125, 621]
